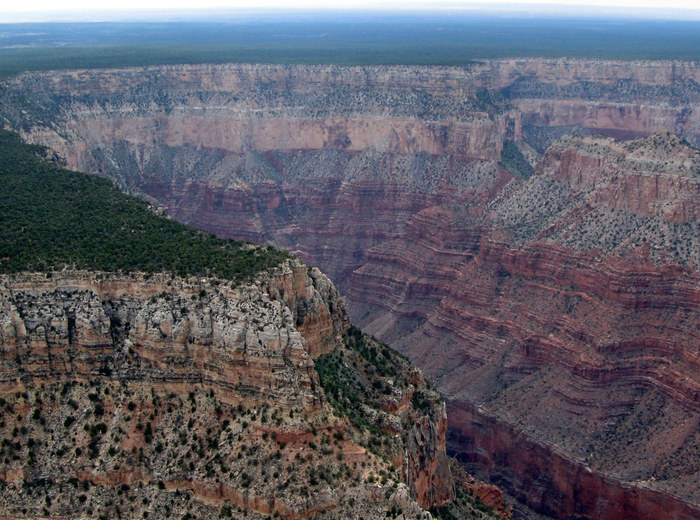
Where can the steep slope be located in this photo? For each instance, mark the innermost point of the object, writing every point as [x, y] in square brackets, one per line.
[556, 305]
[128, 395]
[157, 395]
[570, 321]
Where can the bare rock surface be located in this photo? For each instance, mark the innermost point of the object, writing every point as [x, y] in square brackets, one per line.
[564, 312]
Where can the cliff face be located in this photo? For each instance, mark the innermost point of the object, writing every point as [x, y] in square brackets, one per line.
[563, 312]
[550, 481]
[392, 395]
[561, 308]
[298, 156]
[162, 396]
[463, 110]
[182, 333]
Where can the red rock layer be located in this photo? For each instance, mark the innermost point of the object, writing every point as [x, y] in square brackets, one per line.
[328, 223]
[549, 481]
[587, 354]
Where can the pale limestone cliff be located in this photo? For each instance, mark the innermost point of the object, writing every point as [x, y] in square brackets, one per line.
[155, 395]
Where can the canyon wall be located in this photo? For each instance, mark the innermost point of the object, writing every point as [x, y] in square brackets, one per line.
[549, 481]
[564, 304]
[569, 320]
[157, 395]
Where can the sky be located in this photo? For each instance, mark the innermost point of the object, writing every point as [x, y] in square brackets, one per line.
[54, 5]
[11, 11]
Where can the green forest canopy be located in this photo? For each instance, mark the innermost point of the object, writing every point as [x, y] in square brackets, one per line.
[51, 218]
[370, 38]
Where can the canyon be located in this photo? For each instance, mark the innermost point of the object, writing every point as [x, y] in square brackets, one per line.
[526, 230]
[207, 379]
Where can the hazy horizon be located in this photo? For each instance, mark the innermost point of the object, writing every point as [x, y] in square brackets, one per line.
[346, 37]
[224, 10]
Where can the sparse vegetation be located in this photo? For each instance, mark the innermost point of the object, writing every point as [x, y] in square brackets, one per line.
[363, 380]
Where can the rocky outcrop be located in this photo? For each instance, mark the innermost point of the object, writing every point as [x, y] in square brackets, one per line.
[655, 177]
[157, 395]
[487, 495]
[73, 326]
[406, 415]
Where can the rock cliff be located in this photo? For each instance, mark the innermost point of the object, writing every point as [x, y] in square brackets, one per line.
[297, 155]
[159, 396]
[557, 311]
[568, 309]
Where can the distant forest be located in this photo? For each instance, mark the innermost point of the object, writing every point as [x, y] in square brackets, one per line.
[358, 39]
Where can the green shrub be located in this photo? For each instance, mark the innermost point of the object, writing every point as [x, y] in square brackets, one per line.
[514, 161]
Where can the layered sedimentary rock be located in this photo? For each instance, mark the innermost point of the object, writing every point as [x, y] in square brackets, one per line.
[297, 155]
[563, 307]
[155, 395]
[238, 108]
[569, 313]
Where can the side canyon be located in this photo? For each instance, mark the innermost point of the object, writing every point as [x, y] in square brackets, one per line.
[527, 231]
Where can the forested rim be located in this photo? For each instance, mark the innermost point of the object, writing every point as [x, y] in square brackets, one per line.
[51, 218]
[370, 38]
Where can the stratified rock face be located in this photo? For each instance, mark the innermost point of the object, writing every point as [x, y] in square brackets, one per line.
[564, 312]
[136, 395]
[387, 392]
[58, 328]
[563, 306]
[331, 161]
